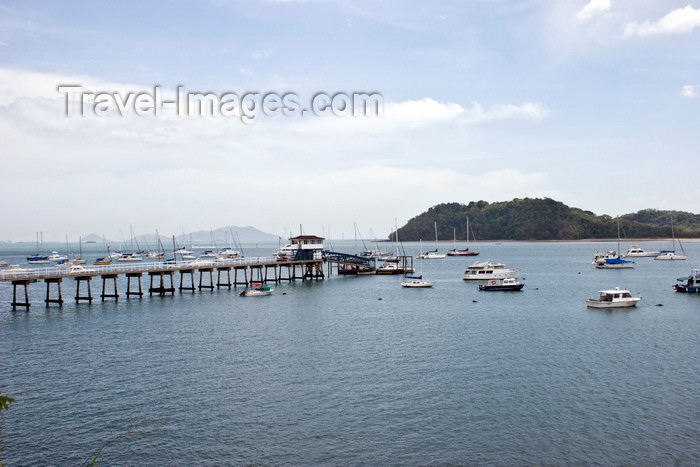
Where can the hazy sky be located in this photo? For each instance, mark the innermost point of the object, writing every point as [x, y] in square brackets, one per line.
[593, 103]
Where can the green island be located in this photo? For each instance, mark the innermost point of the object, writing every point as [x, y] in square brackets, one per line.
[542, 219]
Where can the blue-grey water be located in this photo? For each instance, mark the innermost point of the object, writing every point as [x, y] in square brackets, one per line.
[358, 371]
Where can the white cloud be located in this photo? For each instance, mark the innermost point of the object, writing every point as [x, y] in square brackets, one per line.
[395, 163]
[690, 91]
[592, 9]
[679, 21]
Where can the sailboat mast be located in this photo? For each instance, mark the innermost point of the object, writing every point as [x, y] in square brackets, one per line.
[436, 237]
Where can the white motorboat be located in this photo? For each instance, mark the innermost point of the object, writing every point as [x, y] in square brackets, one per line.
[54, 256]
[15, 269]
[486, 270]
[258, 290]
[507, 284]
[616, 298]
[638, 252]
[77, 269]
[228, 253]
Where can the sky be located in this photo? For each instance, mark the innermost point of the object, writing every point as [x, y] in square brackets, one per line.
[595, 103]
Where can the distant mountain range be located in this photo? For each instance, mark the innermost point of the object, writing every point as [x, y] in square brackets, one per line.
[223, 236]
[542, 219]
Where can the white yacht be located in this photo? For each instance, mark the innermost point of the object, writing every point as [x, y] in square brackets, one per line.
[487, 271]
[54, 256]
[637, 252]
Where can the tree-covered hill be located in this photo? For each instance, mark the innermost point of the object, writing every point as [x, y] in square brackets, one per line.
[542, 219]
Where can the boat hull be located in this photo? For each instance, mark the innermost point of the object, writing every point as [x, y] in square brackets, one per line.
[255, 293]
[417, 284]
[671, 257]
[501, 288]
[460, 253]
[592, 303]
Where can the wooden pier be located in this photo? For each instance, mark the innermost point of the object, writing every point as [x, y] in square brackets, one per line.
[161, 277]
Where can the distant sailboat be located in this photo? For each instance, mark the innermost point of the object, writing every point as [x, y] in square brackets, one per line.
[671, 254]
[465, 252]
[433, 254]
[416, 282]
[614, 261]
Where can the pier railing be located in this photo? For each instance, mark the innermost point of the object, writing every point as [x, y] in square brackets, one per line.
[134, 267]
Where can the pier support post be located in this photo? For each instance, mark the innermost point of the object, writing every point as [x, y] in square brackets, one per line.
[104, 294]
[57, 281]
[161, 289]
[235, 275]
[256, 270]
[78, 297]
[182, 284]
[228, 277]
[209, 286]
[137, 275]
[15, 303]
[289, 273]
[274, 269]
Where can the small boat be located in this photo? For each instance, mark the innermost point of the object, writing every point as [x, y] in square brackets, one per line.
[356, 269]
[692, 282]
[3, 264]
[637, 252]
[671, 254]
[415, 282]
[432, 254]
[611, 259]
[465, 252]
[610, 254]
[126, 257]
[258, 289]
[488, 271]
[617, 298]
[38, 259]
[14, 269]
[228, 253]
[614, 263]
[54, 256]
[509, 283]
[77, 269]
[393, 267]
[102, 261]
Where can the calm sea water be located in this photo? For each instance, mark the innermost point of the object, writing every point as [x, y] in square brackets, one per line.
[358, 371]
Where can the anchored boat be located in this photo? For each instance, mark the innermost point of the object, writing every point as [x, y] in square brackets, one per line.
[507, 284]
[488, 271]
[258, 290]
[616, 298]
[692, 282]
